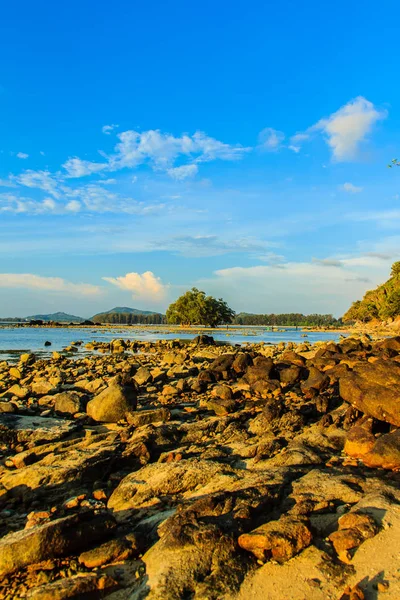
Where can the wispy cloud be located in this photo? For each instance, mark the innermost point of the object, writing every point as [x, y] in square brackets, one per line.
[351, 188]
[270, 139]
[76, 167]
[49, 284]
[43, 180]
[158, 150]
[145, 286]
[183, 172]
[210, 245]
[22, 155]
[108, 129]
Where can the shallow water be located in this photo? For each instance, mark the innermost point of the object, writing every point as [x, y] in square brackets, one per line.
[14, 341]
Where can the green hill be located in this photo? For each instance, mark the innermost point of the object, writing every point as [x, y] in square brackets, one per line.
[122, 315]
[60, 317]
[126, 310]
[382, 303]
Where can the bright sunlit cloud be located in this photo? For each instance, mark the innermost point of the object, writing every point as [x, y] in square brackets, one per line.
[144, 286]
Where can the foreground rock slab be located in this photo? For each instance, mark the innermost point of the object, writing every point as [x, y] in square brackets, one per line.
[23, 428]
[52, 539]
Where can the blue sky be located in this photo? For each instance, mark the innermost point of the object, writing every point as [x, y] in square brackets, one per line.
[239, 147]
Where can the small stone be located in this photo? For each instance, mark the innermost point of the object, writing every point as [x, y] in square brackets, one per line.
[382, 586]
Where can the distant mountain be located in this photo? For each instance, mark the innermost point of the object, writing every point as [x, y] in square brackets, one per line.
[60, 317]
[126, 311]
[123, 315]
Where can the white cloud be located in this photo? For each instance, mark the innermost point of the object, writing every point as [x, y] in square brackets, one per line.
[76, 167]
[348, 127]
[350, 188]
[49, 204]
[270, 139]
[345, 129]
[107, 129]
[50, 284]
[42, 180]
[160, 151]
[74, 206]
[144, 286]
[22, 155]
[183, 172]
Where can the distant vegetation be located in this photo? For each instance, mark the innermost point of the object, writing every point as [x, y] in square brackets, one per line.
[286, 319]
[382, 303]
[59, 317]
[195, 308]
[122, 315]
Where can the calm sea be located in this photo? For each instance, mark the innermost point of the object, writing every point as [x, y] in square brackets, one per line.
[15, 341]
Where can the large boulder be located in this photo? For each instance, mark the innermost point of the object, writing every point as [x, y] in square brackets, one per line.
[113, 403]
[374, 389]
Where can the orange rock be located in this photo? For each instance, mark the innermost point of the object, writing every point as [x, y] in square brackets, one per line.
[279, 540]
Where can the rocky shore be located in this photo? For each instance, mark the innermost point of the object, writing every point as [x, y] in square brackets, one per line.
[170, 471]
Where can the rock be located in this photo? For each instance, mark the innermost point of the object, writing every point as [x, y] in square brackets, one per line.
[47, 343]
[143, 376]
[222, 391]
[260, 371]
[173, 358]
[91, 585]
[16, 390]
[354, 528]
[359, 441]
[23, 428]
[68, 403]
[163, 479]
[8, 407]
[203, 340]
[385, 453]
[117, 549]
[170, 391]
[221, 406]
[316, 382]
[290, 375]
[279, 540]
[144, 417]
[222, 364]
[241, 362]
[43, 387]
[15, 373]
[112, 404]
[55, 538]
[27, 359]
[374, 388]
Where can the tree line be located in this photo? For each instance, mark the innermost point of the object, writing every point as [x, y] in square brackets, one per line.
[286, 319]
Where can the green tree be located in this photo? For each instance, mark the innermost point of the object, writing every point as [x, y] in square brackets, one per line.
[395, 272]
[195, 308]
